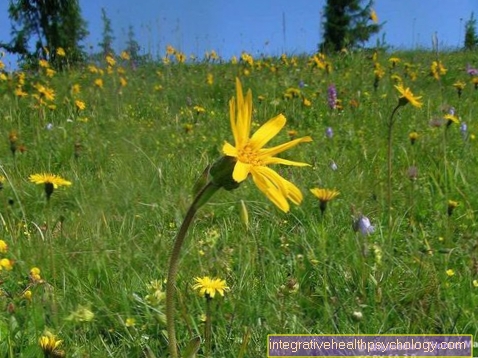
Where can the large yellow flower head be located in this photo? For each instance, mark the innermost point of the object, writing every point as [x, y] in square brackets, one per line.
[251, 156]
[49, 343]
[406, 96]
[50, 181]
[209, 287]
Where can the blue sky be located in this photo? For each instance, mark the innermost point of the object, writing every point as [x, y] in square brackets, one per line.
[268, 27]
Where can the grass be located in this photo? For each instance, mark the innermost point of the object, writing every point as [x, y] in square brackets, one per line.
[133, 155]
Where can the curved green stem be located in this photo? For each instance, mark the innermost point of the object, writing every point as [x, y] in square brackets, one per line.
[389, 161]
[201, 198]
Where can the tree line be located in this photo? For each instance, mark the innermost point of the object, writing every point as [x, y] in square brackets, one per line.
[40, 27]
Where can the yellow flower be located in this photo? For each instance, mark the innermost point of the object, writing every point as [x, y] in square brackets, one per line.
[373, 16]
[209, 287]
[76, 88]
[130, 322]
[450, 272]
[27, 295]
[99, 82]
[475, 283]
[406, 96]
[451, 206]
[60, 52]
[7, 264]
[459, 85]
[35, 274]
[49, 343]
[252, 158]
[451, 118]
[80, 105]
[123, 81]
[324, 196]
[43, 63]
[19, 92]
[413, 136]
[49, 179]
[125, 56]
[3, 247]
[110, 60]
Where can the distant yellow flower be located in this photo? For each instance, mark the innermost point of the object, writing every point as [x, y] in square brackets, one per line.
[450, 272]
[123, 81]
[251, 156]
[50, 72]
[92, 69]
[49, 344]
[199, 109]
[7, 264]
[210, 79]
[50, 181]
[475, 283]
[170, 50]
[125, 56]
[451, 118]
[180, 57]
[451, 206]
[76, 88]
[413, 136]
[130, 322]
[373, 16]
[19, 92]
[437, 69]
[406, 96]
[459, 85]
[394, 61]
[324, 196]
[209, 287]
[80, 105]
[60, 52]
[43, 63]
[35, 274]
[99, 82]
[110, 60]
[306, 102]
[3, 247]
[27, 295]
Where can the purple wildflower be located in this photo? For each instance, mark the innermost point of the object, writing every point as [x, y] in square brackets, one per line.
[332, 96]
[471, 71]
[362, 224]
[329, 132]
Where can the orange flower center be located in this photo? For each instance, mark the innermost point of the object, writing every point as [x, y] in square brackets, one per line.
[249, 155]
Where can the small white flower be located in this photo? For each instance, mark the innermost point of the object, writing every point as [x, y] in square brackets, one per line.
[333, 166]
[49, 126]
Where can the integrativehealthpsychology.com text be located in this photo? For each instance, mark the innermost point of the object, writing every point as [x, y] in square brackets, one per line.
[279, 345]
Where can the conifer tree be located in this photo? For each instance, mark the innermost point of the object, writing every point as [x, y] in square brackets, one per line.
[107, 43]
[348, 24]
[48, 25]
[471, 38]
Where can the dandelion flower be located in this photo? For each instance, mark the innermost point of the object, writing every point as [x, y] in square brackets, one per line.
[3, 247]
[49, 345]
[209, 287]
[451, 206]
[324, 196]
[251, 156]
[60, 51]
[406, 96]
[50, 181]
[450, 272]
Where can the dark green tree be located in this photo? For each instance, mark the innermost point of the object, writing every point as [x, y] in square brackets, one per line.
[471, 38]
[47, 25]
[107, 43]
[132, 46]
[348, 24]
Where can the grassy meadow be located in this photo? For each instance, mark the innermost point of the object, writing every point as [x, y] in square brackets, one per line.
[133, 140]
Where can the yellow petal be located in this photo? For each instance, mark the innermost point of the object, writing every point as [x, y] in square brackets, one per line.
[269, 152]
[229, 150]
[273, 194]
[267, 131]
[275, 160]
[241, 171]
